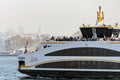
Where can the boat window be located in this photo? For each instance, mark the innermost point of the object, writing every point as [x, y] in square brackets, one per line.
[21, 63]
[81, 65]
[84, 52]
[45, 46]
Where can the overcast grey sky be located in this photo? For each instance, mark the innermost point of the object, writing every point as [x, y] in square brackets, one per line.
[55, 17]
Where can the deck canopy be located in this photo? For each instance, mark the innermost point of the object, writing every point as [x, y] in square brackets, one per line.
[87, 32]
[101, 32]
[116, 31]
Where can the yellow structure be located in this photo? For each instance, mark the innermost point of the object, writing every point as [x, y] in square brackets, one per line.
[100, 16]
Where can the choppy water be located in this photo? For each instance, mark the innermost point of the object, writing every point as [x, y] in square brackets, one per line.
[8, 71]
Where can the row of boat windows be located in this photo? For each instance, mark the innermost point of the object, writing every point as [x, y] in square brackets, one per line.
[85, 52]
[81, 65]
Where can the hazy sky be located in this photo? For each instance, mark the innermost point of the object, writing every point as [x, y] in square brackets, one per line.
[55, 17]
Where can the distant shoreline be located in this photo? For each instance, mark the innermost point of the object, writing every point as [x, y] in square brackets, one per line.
[8, 55]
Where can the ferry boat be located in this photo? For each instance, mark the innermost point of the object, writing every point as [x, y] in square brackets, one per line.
[96, 54]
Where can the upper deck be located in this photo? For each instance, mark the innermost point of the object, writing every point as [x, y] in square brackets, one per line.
[96, 33]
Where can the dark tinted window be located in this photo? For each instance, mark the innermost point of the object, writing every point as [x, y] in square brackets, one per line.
[85, 52]
[81, 65]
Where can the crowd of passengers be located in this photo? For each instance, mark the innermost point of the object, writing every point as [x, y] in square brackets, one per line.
[100, 39]
[65, 38]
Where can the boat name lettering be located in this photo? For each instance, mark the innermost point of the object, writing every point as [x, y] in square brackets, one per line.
[21, 57]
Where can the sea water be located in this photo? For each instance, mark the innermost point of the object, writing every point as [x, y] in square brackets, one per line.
[9, 71]
[8, 68]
